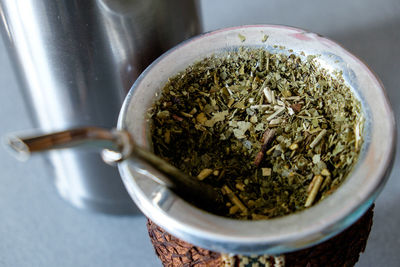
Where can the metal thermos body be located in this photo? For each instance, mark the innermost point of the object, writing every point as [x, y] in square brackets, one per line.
[76, 60]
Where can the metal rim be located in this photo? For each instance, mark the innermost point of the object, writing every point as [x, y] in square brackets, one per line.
[283, 234]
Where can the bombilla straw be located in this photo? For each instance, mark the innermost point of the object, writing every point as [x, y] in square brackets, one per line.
[116, 146]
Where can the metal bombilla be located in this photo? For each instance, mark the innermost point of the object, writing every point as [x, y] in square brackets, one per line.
[117, 146]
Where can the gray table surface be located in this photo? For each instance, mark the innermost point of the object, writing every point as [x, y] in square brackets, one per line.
[37, 228]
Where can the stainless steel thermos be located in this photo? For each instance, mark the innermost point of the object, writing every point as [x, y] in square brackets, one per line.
[75, 61]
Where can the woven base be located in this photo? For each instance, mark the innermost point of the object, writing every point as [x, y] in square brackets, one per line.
[341, 250]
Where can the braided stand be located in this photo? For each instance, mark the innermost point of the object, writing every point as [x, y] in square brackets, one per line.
[341, 250]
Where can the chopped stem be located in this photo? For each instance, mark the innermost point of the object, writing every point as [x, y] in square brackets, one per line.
[318, 138]
[235, 200]
[314, 191]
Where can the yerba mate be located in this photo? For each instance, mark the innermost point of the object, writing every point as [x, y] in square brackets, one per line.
[274, 132]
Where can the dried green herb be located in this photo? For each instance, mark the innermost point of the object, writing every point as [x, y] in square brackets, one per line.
[274, 132]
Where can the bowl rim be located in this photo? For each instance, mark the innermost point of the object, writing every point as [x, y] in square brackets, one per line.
[229, 235]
